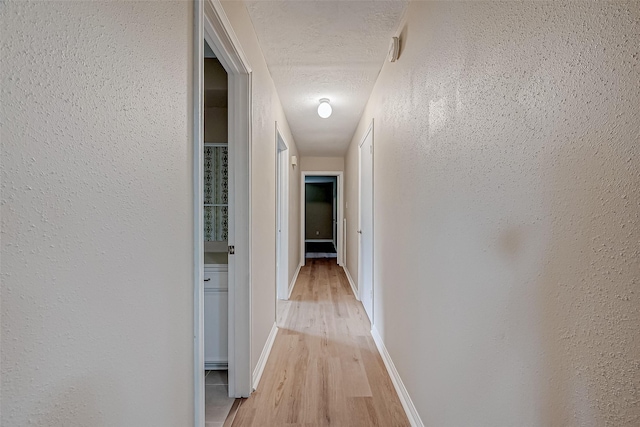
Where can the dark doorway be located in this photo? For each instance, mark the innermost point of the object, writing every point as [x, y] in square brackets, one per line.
[321, 217]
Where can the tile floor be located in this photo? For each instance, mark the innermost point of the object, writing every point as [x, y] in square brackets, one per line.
[217, 402]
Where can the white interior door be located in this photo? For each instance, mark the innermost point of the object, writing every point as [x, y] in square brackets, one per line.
[365, 280]
[282, 218]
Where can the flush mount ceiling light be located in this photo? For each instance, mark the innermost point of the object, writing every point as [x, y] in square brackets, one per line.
[324, 109]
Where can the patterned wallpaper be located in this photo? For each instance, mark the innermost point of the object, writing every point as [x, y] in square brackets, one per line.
[216, 185]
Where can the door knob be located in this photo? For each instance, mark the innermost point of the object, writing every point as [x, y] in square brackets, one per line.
[359, 231]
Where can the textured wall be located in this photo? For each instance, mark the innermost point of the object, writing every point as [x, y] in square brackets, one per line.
[266, 111]
[96, 267]
[322, 164]
[507, 200]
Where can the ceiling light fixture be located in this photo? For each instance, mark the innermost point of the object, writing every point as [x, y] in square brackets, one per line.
[324, 109]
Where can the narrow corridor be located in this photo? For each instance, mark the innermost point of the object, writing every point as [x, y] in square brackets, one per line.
[324, 368]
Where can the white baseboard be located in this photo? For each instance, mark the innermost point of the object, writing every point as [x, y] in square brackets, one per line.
[264, 356]
[350, 279]
[293, 281]
[403, 394]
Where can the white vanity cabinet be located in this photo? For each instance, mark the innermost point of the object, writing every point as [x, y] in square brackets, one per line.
[216, 309]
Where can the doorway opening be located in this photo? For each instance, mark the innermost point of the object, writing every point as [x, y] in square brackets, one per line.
[321, 225]
[321, 217]
[224, 201]
[218, 403]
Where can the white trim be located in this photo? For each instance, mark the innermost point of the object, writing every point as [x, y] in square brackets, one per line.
[282, 215]
[219, 34]
[264, 356]
[345, 235]
[350, 279]
[227, 47]
[320, 180]
[360, 275]
[198, 214]
[340, 177]
[293, 281]
[401, 390]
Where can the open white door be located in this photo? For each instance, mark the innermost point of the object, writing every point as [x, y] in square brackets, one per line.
[365, 251]
[282, 217]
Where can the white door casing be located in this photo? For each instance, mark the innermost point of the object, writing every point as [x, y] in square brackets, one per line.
[365, 229]
[198, 215]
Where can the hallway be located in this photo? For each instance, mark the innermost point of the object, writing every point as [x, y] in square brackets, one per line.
[324, 368]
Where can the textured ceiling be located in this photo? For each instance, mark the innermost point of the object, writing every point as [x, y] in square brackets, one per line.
[324, 49]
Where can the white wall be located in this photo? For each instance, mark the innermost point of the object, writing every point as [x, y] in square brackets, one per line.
[266, 111]
[310, 163]
[507, 192]
[97, 307]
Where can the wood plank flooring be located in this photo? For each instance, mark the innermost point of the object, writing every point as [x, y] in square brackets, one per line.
[324, 368]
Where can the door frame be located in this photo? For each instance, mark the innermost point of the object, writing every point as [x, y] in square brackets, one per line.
[211, 24]
[282, 216]
[340, 246]
[359, 231]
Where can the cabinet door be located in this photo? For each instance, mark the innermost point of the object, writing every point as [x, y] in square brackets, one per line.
[216, 278]
[215, 328]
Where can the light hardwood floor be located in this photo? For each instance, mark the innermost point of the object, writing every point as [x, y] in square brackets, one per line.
[324, 368]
